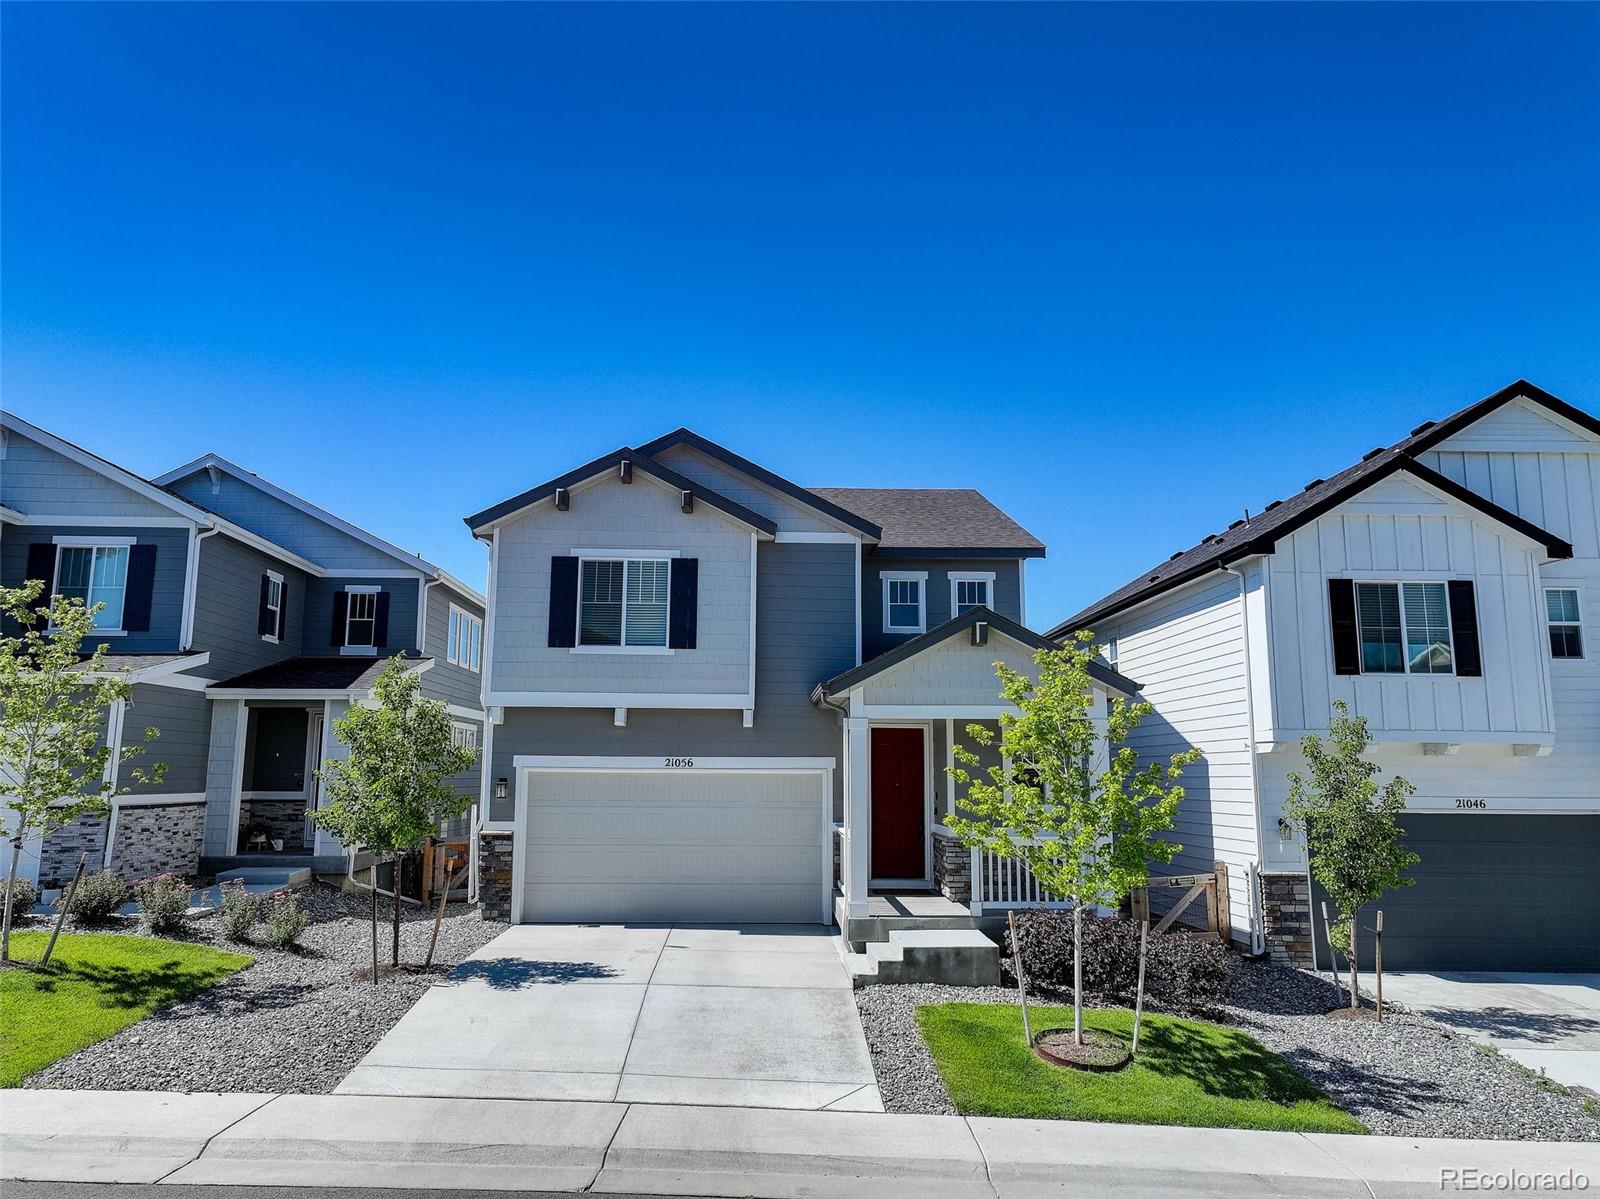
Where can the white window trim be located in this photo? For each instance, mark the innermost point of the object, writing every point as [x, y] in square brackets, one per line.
[1583, 649]
[1405, 631]
[362, 651]
[277, 618]
[921, 578]
[460, 731]
[79, 541]
[457, 658]
[972, 576]
[623, 556]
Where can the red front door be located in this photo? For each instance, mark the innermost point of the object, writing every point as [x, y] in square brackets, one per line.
[899, 836]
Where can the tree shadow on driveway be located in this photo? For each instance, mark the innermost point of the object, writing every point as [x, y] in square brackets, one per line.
[512, 974]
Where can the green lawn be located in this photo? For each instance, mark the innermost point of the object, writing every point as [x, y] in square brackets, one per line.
[1187, 1072]
[95, 985]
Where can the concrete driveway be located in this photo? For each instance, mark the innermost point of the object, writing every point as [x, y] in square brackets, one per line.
[1549, 1022]
[762, 1016]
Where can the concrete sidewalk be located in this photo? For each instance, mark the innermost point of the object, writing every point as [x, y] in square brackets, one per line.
[536, 1145]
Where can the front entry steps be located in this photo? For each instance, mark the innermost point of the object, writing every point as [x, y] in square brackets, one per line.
[957, 957]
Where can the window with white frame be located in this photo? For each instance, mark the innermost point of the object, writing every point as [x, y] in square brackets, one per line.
[904, 601]
[1405, 628]
[274, 605]
[361, 619]
[464, 736]
[1566, 627]
[465, 643]
[968, 591]
[623, 602]
[95, 574]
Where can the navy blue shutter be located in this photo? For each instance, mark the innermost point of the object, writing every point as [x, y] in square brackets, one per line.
[683, 602]
[1464, 628]
[264, 624]
[42, 566]
[283, 609]
[380, 623]
[563, 603]
[341, 609]
[1346, 634]
[141, 588]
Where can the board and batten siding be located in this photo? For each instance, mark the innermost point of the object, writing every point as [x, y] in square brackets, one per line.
[1397, 530]
[37, 481]
[444, 680]
[228, 604]
[1006, 597]
[1186, 651]
[805, 633]
[182, 719]
[611, 515]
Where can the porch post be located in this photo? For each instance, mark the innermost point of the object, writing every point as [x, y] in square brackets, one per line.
[857, 814]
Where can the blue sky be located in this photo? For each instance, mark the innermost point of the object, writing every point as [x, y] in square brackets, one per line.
[1126, 269]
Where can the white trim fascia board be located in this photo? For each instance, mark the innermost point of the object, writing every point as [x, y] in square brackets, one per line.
[108, 522]
[351, 694]
[484, 680]
[343, 573]
[465, 713]
[858, 603]
[882, 712]
[465, 590]
[115, 718]
[169, 799]
[117, 474]
[87, 540]
[303, 505]
[749, 711]
[659, 763]
[181, 682]
[11, 516]
[363, 588]
[1209, 579]
[607, 699]
[422, 613]
[803, 538]
[145, 674]
[610, 555]
[780, 496]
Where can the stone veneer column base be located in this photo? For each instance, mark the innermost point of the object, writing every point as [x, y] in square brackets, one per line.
[494, 874]
[1286, 915]
[58, 855]
[952, 869]
[157, 839]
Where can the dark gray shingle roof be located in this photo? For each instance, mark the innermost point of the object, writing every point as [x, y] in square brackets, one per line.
[937, 518]
[313, 674]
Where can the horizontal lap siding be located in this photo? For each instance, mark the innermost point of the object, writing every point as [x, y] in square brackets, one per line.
[1007, 597]
[1187, 653]
[443, 680]
[789, 514]
[38, 481]
[228, 605]
[317, 639]
[182, 718]
[284, 524]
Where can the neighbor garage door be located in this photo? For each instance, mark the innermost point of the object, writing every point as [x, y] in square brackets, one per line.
[745, 846]
[1495, 892]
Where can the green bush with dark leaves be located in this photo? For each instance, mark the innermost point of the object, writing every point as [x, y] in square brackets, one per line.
[98, 897]
[1183, 970]
[24, 895]
[163, 902]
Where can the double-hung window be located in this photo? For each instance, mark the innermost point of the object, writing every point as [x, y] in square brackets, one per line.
[465, 643]
[1566, 628]
[361, 618]
[623, 602]
[968, 591]
[464, 736]
[904, 601]
[95, 574]
[1405, 628]
[274, 606]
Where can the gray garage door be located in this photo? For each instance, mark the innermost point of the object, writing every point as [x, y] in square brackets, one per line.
[1494, 892]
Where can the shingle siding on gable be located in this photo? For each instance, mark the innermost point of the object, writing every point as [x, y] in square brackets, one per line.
[227, 605]
[38, 481]
[874, 641]
[283, 524]
[166, 600]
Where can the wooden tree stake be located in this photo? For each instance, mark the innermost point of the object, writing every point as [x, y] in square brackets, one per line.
[66, 902]
[1138, 995]
[1022, 983]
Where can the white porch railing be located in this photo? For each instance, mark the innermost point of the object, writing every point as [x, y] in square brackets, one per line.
[841, 857]
[1000, 884]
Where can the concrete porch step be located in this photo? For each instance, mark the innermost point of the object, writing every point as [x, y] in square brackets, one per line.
[267, 878]
[956, 957]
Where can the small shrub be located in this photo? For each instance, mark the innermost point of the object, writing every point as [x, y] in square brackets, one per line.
[98, 897]
[1184, 970]
[285, 919]
[163, 902]
[24, 896]
[240, 910]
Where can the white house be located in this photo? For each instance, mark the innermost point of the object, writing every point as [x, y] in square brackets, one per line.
[1447, 588]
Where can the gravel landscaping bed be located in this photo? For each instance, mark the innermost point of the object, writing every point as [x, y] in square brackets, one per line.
[1408, 1076]
[294, 1021]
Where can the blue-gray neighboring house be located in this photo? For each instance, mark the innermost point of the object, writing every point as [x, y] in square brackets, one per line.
[247, 620]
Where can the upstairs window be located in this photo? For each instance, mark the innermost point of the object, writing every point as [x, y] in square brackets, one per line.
[95, 574]
[464, 736]
[623, 602]
[361, 619]
[1566, 628]
[968, 591]
[269, 622]
[904, 593]
[1405, 628]
[464, 646]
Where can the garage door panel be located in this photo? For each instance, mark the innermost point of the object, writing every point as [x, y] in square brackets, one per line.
[650, 846]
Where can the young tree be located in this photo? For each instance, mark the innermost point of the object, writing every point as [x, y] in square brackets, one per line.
[1069, 802]
[54, 763]
[391, 791]
[1353, 838]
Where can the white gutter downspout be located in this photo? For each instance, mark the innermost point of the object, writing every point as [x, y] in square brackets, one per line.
[191, 585]
[1258, 938]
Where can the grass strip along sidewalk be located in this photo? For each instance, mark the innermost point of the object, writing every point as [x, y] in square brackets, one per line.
[94, 986]
[1188, 1072]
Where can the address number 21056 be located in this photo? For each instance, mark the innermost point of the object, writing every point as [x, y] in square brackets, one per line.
[680, 763]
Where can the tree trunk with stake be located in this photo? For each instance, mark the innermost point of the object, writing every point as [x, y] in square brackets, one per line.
[373, 871]
[1077, 974]
[1022, 981]
[1355, 989]
[11, 886]
[1138, 995]
[66, 903]
[394, 946]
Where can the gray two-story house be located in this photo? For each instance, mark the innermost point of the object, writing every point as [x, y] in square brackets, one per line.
[247, 621]
[713, 694]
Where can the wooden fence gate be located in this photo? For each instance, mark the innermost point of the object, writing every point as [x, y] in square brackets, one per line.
[1213, 886]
